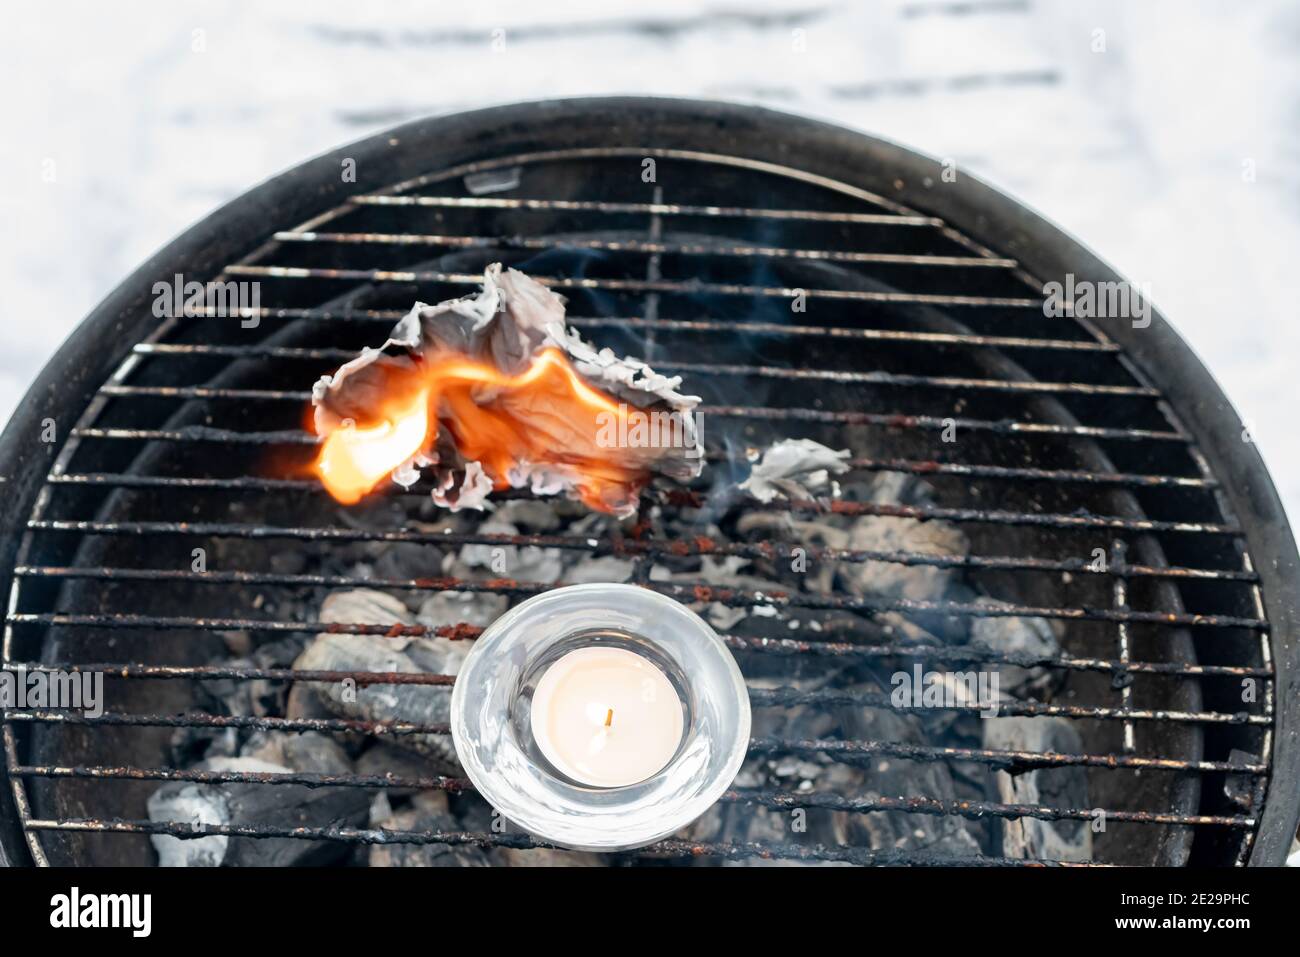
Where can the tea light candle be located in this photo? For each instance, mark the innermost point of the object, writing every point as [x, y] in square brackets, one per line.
[606, 717]
[600, 717]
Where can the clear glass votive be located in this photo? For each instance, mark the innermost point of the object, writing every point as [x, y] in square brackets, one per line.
[552, 792]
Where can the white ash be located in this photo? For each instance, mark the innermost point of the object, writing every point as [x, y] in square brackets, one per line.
[796, 469]
[194, 804]
[479, 608]
[507, 324]
[423, 704]
[472, 492]
[724, 617]
[605, 568]
[276, 805]
[526, 563]
[308, 751]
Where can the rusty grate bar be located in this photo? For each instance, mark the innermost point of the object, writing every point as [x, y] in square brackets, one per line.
[644, 247]
[305, 353]
[888, 420]
[624, 547]
[196, 719]
[1122, 681]
[669, 848]
[907, 466]
[730, 327]
[649, 209]
[867, 464]
[773, 798]
[695, 500]
[689, 288]
[692, 592]
[779, 646]
[778, 697]
[834, 749]
[791, 697]
[1007, 760]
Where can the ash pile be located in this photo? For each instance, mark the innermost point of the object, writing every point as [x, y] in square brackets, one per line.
[754, 568]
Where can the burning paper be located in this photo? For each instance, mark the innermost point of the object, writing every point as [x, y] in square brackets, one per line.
[494, 391]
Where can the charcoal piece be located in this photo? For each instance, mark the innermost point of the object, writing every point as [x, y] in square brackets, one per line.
[264, 805]
[544, 857]
[308, 751]
[532, 515]
[880, 776]
[526, 563]
[420, 704]
[1062, 787]
[428, 812]
[879, 533]
[1015, 636]
[406, 560]
[384, 759]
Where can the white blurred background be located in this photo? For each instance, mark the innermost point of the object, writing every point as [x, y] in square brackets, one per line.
[1173, 152]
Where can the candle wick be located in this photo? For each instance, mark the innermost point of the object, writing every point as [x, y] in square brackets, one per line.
[609, 717]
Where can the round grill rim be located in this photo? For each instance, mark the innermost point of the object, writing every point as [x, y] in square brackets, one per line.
[68, 382]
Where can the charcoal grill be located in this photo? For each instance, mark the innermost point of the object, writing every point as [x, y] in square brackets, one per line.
[923, 313]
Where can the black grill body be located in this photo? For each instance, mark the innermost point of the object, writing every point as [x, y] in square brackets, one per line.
[1080, 434]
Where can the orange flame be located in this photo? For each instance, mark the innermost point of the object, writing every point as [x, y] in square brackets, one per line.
[546, 416]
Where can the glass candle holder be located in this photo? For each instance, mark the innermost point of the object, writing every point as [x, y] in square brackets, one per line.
[549, 724]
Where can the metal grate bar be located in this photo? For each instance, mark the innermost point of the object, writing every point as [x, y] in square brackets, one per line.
[771, 798]
[909, 466]
[728, 326]
[688, 288]
[780, 646]
[624, 547]
[669, 848]
[891, 420]
[1007, 760]
[650, 209]
[791, 697]
[835, 749]
[701, 369]
[1122, 681]
[740, 250]
[694, 500]
[687, 592]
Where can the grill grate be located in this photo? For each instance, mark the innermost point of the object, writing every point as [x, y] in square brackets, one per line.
[175, 450]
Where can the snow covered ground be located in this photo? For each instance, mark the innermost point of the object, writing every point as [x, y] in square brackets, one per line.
[1162, 133]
